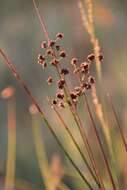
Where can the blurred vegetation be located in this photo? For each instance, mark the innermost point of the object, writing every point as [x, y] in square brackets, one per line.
[21, 36]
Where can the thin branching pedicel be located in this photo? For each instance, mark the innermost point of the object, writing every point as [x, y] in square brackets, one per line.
[82, 69]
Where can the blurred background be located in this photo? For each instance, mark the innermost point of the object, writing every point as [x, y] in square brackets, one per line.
[21, 37]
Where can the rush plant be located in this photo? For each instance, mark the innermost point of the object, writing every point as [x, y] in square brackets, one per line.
[68, 98]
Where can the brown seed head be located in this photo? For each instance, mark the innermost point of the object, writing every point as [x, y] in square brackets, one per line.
[84, 67]
[59, 36]
[78, 90]
[60, 95]
[86, 86]
[91, 80]
[61, 83]
[41, 57]
[62, 54]
[74, 61]
[54, 101]
[91, 57]
[48, 52]
[51, 43]
[86, 71]
[54, 62]
[65, 71]
[61, 104]
[73, 95]
[44, 44]
[49, 80]
[44, 65]
[76, 70]
[101, 57]
[57, 47]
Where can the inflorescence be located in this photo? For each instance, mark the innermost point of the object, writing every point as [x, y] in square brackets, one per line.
[53, 51]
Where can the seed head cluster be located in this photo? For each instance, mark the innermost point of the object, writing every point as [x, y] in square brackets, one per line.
[52, 56]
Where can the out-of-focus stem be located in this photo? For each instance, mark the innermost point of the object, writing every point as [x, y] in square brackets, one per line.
[11, 152]
[118, 122]
[88, 24]
[40, 150]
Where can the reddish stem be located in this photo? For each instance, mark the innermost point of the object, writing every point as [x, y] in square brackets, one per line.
[100, 143]
[44, 29]
[118, 122]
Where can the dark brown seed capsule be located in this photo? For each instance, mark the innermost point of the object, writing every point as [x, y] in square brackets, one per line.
[44, 65]
[62, 54]
[61, 83]
[76, 70]
[84, 67]
[84, 71]
[57, 47]
[86, 86]
[41, 57]
[61, 104]
[54, 62]
[48, 52]
[91, 57]
[44, 44]
[41, 60]
[91, 80]
[101, 57]
[49, 80]
[60, 95]
[73, 95]
[64, 71]
[59, 36]
[78, 90]
[51, 43]
[74, 61]
[54, 101]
